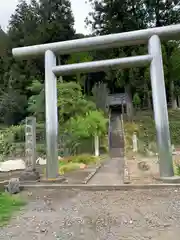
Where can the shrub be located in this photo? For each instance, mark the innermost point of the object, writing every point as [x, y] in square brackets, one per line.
[41, 149]
[93, 123]
[144, 125]
[18, 133]
[83, 158]
[68, 167]
[83, 128]
[6, 143]
[136, 100]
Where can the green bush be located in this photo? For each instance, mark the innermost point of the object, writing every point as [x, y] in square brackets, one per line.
[175, 132]
[68, 167]
[82, 129]
[18, 133]
[83, 158]
[6, 143]
[136, 100]
[41, 149]
[40, 132]
[143, 122]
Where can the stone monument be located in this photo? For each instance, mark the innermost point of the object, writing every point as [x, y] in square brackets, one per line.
[30, 173]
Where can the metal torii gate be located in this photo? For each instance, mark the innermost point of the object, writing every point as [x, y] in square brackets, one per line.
[151, 36]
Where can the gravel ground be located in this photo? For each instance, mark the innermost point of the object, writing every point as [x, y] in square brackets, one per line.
[114, 215]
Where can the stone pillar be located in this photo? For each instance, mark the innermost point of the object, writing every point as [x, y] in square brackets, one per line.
[30, 173]
[30, 138]
[160, 108]
[51, 117]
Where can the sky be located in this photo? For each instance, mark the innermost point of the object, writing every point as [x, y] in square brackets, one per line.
[79, 7]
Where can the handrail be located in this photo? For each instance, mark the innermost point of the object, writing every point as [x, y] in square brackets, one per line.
[109, 132]
[123, 132]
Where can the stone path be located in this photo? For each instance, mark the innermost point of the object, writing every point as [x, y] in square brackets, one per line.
[80, 215]
[110, 173]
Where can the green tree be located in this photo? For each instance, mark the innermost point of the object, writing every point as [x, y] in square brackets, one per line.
[163, 13]
[136, 101]
[115, 17]
[36, 102]
[79, 58]
[56, 21]
[91, 125]
[127, 15]
[71, 101]
[38, 22]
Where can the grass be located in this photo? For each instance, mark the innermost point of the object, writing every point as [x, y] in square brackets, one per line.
[144, 125]
[81, 161]
[8, 205]
[76, 162]
[68, 167]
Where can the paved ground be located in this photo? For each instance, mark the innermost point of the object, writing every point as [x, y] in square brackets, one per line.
[73, 215]
[110, 173]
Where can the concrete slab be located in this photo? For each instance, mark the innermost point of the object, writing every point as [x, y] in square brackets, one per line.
[173, 179]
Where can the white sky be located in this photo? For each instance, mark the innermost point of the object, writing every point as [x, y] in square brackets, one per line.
[79, 7]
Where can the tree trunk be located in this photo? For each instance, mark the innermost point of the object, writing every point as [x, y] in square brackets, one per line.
[147, 97]
[149, 100]
[173, 99]
[178, 101]
[130, 104]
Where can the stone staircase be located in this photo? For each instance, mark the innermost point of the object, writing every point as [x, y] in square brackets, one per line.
[112, 170]
[116, 138]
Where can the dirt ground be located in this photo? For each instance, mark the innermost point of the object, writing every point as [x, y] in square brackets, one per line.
[138, 176]
[74, 177]
[114, 215]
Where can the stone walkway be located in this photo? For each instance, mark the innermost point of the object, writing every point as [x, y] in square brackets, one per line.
[111, 173]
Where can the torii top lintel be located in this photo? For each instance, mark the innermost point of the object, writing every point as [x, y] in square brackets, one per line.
[171, 32]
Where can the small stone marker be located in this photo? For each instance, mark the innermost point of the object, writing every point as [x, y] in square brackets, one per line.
[143, 166]
[135, 145]
[13, 186]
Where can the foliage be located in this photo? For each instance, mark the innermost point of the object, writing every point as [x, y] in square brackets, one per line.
[8, 204]
[136, 100]
[83, 127]
[121, 16]
[78, 58]
[34, 23]
[93, 123]
[71, 101]
[68, 167]
[12, 103]
[100, 94]
[36, 101]
[12, 141]
[144, 124]
[6, 143]
[96, 123]
[83, 158]
[75, 162]
[176, 169]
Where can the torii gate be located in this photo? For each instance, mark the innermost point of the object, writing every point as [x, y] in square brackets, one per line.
[151, 36]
